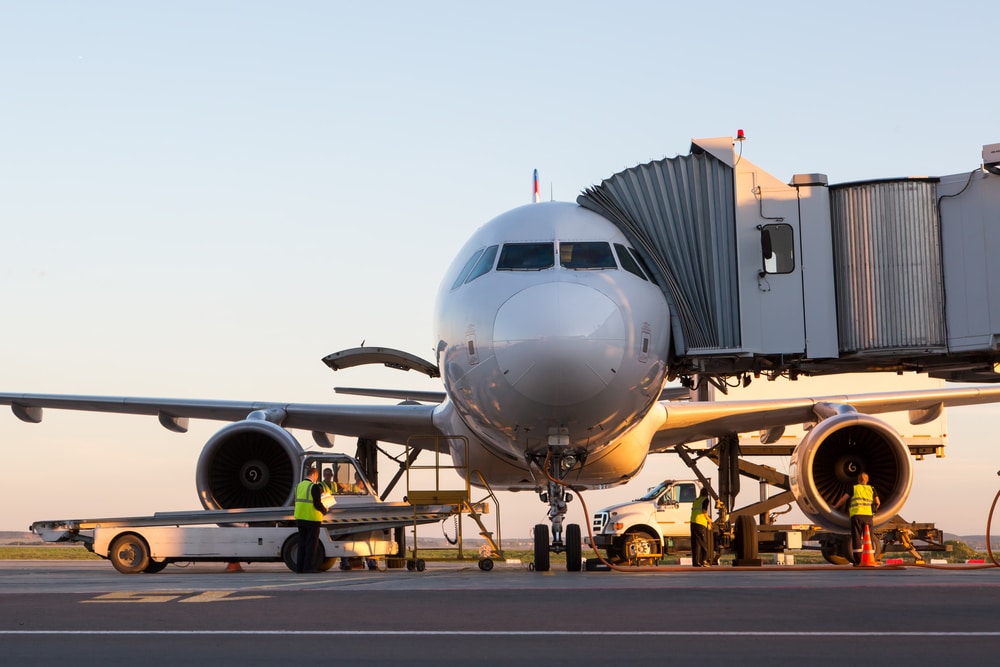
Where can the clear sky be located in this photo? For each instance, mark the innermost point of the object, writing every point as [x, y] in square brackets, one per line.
[202, 199]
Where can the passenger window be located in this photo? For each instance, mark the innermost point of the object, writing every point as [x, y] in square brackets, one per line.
[586, 255]
[526, 257]
[628, 261]
[687, 494]
[777, 245]
[465, 269]
[484, 264]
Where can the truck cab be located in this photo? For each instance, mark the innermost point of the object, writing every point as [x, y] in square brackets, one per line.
[643, 530]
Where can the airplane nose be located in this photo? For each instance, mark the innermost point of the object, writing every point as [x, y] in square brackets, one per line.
[559, 343]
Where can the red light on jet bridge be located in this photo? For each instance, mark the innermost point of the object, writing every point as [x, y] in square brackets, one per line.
[740, 136]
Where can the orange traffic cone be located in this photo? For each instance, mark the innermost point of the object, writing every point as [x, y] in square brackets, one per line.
[867, 552]
[233, 566]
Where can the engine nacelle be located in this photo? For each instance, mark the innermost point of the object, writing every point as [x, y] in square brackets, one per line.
[826, 464]
[250, 463]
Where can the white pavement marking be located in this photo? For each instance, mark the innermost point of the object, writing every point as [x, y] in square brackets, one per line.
[508, 633]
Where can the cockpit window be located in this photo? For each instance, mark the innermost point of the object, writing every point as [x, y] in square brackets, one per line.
[526, 257]
[465, 269]
[628, 261]
[484, 264]
[586, 255]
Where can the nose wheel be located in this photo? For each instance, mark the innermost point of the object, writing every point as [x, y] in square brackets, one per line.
[557, 496]
[541, 547]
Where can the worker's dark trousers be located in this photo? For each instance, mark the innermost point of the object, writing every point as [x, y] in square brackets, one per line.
[699, 544]
[308, 545]
[858, 523]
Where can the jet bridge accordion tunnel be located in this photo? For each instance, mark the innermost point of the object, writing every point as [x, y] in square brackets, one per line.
[807, 277]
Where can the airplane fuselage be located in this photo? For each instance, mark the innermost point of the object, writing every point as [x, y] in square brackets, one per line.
[551, 334]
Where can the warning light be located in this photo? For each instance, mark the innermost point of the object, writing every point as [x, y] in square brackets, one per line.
[740, 136]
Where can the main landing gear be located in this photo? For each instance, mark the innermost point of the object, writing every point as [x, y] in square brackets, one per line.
[557, 496]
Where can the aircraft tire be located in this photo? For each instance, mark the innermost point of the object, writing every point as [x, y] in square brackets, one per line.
[129, 554]
[574, 553]
[541, 547]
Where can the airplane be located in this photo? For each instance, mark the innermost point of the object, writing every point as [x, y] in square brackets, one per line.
[553, 348]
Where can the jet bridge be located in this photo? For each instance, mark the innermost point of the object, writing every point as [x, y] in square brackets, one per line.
[766, 277]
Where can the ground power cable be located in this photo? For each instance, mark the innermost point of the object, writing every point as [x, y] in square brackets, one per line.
[989, 549]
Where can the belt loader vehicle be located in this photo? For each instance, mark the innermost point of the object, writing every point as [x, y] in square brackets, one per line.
[356, 525]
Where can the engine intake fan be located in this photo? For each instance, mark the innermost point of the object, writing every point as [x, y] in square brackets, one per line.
[829, 459]
[251, 463]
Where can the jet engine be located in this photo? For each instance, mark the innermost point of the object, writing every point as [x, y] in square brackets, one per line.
[250, 463]
[827, 462]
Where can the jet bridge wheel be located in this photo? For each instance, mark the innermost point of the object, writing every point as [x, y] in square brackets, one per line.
[129, 554]
[836, 549]
[746, 538]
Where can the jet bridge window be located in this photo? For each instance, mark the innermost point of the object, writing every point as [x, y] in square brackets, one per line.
[586, 255]
[526, 257]
[777, 247]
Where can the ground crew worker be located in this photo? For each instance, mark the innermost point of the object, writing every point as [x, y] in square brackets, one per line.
[864, 503]
[309, 511]
[329, 485]
[358, 488]
[700, 523]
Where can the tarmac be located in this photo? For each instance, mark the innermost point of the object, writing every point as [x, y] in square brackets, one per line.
[86, 613]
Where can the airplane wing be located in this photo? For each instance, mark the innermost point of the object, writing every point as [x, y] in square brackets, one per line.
[386, 423]
[693, 421]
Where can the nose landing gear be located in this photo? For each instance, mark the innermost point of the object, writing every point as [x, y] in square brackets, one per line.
[557, 496]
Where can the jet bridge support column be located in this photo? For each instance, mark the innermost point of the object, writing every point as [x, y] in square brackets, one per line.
[729, 470]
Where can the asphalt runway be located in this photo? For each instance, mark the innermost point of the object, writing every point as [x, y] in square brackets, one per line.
[86, 613]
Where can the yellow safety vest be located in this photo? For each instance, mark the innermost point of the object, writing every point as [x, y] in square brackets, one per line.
[698, 514]
[862, 500]
[304, 508]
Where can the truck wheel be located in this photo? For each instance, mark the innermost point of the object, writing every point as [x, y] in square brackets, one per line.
[574, 555]
[129, 554]
[155, 566]
[485, 564]
[746, 538]
[636, 546]
[541, 547]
